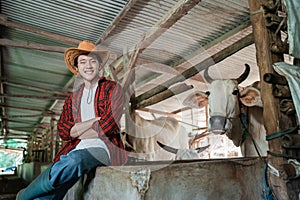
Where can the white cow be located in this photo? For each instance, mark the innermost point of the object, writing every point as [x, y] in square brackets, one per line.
[227, 104]
[166, 130]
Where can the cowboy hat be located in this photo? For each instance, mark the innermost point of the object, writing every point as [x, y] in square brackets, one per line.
[84, 47]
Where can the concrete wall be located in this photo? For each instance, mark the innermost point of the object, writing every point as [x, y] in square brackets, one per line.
[198, 180]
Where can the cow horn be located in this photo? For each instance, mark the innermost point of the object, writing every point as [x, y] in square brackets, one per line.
[167, 148]
[200, 149]
[244, 75]
[207, 77]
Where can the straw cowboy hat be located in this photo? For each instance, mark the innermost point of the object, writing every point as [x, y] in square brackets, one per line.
[84, 47]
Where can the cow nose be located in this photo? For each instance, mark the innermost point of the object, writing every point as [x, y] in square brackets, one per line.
[217, 124]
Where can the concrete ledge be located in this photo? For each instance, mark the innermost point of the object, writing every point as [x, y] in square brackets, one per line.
[228, 179]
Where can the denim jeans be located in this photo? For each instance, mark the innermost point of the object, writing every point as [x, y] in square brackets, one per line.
[68, 170]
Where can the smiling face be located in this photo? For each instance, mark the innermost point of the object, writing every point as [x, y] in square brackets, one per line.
[88, 68]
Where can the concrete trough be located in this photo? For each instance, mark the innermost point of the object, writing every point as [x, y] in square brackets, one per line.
[219, 179]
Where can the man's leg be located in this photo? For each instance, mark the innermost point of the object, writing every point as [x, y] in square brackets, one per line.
[37, 187]
[65, 173]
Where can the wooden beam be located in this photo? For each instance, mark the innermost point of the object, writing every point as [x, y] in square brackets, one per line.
[34, 123]
[116, 21]
[32, 96]
[26, 116]
[157, 67]
[211, 49]
[5, 22]
[264, 39]
[127, 79]
[3, 100]
[176, 12]
[20, 128]
[27, 45]
[26, 108]
[217, 57]
[31, 87]
[158, 112]
[164, 95]
[181, 110]
[181, 8]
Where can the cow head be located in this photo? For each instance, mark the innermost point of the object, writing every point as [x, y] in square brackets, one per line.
[224, 101]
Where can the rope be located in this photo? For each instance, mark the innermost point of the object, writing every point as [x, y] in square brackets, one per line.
[283, 155]
[246, 133]
[261, 10]
[281, 133]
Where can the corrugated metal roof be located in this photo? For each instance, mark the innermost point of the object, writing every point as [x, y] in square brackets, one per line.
[35, 82]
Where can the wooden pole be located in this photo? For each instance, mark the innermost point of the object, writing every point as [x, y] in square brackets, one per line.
[52, 142]
[263, 39]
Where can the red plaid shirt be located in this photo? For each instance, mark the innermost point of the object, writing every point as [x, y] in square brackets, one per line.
[108, 105]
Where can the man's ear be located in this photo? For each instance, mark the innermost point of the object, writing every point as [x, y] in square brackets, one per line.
[197, 99]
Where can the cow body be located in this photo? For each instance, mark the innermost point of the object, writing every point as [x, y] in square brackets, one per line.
[147, 132]
[227, 104]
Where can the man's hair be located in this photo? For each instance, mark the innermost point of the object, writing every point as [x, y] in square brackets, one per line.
[87, 54]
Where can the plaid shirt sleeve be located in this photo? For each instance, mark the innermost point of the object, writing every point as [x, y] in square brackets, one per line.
[66, 121]
[64, 125]
[112, 110]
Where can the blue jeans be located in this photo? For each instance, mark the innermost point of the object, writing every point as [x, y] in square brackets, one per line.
[67, 171]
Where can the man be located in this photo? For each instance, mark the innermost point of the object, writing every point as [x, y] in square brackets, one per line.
[89, 123]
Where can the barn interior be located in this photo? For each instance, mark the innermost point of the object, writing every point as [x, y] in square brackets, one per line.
[159, 51]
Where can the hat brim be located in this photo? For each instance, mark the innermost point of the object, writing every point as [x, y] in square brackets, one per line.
[72, 53]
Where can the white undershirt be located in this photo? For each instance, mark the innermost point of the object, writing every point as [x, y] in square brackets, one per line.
[88, 112]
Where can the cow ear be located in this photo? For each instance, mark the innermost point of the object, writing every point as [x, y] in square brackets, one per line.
[196, 100]
[250, 96]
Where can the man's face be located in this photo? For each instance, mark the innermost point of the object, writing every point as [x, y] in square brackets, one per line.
[88, 67]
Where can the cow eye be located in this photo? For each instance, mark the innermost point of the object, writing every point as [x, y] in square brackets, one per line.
[235, 92]
[207, 93]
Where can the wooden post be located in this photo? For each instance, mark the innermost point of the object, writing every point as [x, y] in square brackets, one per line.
[264, 39]
[52, 142]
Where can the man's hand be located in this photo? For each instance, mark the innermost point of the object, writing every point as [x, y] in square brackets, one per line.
[80, 128]
[90, 133]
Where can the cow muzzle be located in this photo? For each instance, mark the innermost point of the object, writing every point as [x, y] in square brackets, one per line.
[217, 124]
